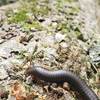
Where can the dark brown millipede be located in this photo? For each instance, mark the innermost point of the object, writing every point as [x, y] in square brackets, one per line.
[61, 76]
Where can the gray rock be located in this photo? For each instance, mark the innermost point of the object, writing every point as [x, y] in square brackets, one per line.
[94, 53]
[5, 27]
[63, 44]
[59, 37]
[3, 73]
[46, 22]
[48, 40]
[11, 45]
[50, 53]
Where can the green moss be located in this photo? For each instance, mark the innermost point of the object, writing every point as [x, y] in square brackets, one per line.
[73, 10]
[70, 9]
[18, 17]
[70, 0]
[21, 17]
[27, 6]
[40, 10]
[63, 27]
[35, 24]
[65, 1]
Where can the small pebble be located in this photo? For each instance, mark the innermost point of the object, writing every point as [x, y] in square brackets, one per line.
[59, 37]
[66, 86]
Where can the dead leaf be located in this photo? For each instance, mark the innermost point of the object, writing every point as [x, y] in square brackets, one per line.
[18, 90]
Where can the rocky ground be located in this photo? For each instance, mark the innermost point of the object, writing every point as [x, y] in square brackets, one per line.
[59, 34]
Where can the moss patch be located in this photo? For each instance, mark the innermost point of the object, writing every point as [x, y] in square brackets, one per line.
[18, 17]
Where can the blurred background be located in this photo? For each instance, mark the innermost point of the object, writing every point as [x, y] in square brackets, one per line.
[4, 2]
